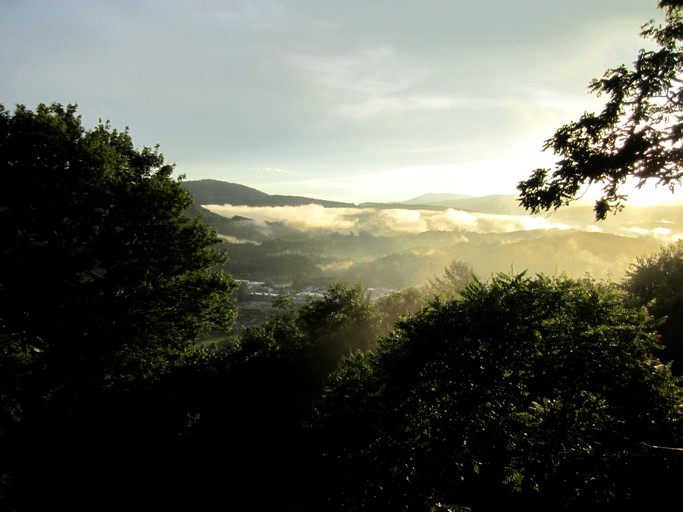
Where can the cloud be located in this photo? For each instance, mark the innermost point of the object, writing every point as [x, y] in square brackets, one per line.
[396, 104]
[327, 88]
[269, 169]
[404, 221]
[259, 15]
[311, 216]
[364, 72]
[387, 221]
[491, 223]
[364, 82]
[235, 240]
[658, 233]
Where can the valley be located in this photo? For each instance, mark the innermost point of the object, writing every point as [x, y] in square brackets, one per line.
[302, 242]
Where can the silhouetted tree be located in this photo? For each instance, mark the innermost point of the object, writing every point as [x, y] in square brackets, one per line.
[656, 281]
[396, 305]
[537, 393]
[105, 284]
[455, 278]
[256, 414]
[339, 323]
[638, 134]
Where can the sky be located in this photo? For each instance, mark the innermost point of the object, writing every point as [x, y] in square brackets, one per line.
[347, 100]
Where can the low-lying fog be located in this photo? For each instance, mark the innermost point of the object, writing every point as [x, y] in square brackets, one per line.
[388, 221]
[396, 246]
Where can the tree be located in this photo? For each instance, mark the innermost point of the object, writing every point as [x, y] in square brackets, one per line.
[535, 392]
[455, 277]
[343, 316]
[105, 281]
[638, 134]
[263, 405]
[100, 261]
[393, 306]
[656, 282]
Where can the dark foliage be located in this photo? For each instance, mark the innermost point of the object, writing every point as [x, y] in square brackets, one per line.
[656, 282]
[105, 285]
[539, 393]
[638, 134]
[219, 192]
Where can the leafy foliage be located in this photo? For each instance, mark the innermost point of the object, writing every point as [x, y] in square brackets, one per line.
[536, 391]
[106, 283]
[656, 281]
[315, 337]
[638, 134]
[396, 305]
[255, 413]
[456, 276]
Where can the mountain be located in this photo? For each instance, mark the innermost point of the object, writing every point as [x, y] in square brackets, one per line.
[222, 192]
[218, 192]
[431, 199]
[209, 191]
[405, 244]
[497, 204]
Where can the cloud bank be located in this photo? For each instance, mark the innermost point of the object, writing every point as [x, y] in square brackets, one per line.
[389, 221]
[397, 221]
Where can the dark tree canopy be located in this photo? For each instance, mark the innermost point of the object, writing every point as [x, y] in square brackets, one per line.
[638, 134]
[656, 282]
[101, 269]
[537, 393]
[106, 283]
[455, 277]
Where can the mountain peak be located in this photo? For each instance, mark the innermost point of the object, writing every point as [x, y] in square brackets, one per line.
[427, 199]
[222, 192]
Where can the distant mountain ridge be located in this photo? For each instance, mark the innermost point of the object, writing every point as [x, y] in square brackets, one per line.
[209, 191]
[223, 192]
[497, 203]
[379, 245]
[429, 199]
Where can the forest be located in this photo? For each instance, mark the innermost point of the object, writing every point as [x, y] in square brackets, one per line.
[128, 382]
[464, 392]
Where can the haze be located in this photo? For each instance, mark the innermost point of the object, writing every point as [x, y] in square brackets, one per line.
[391, 221]
[350, 101]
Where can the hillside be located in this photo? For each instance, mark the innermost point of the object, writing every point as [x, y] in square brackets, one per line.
[306, 241]
[215, 192]
[428, 199]
[221, 192]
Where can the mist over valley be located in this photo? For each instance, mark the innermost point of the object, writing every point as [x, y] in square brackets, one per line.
[299, 239]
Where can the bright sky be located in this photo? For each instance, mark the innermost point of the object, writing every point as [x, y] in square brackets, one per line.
[350, 100]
